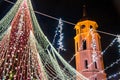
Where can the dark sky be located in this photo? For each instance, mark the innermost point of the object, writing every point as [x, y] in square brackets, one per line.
[105, 12]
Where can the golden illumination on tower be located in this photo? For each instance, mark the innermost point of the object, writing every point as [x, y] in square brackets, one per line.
[88, 57]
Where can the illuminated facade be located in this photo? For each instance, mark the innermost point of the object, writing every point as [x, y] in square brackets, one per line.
[89, 59]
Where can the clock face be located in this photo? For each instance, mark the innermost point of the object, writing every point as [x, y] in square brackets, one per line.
[82, 26]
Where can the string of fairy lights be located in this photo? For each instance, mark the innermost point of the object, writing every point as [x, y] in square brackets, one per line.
[93, 45]
[70, 69]
[9, 63]
[60, 35]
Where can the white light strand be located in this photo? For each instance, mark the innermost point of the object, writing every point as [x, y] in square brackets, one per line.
[103, 52]
[93, 45]
[61, 36]
[118, 40]
[9, 1]
[109, 46]
[111, 65]
[59, 33]
[56, 32]
[113, 76]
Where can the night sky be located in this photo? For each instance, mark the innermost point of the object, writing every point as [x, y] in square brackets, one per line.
[105, 12]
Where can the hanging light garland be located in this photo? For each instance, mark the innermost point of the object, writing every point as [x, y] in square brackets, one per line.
[110, 66]
[118, 40]
[113, 76]
[60, 35]
[93, 45]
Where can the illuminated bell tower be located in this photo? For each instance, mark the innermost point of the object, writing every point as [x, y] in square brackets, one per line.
[89, 60]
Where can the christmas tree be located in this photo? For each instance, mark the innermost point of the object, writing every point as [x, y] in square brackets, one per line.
[25, 52]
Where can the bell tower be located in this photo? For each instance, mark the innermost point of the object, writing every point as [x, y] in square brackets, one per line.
[89, 60]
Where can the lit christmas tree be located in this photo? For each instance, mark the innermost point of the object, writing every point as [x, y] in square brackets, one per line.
[25, 52]
[18, 49]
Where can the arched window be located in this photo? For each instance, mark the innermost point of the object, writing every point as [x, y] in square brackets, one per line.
[95, 65]
[84, 44]
[77, 47]
[95, 78]
[82, 26]
[91, 26]
[86, 64]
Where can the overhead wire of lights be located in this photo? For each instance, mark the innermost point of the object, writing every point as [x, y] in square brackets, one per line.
[46, 15]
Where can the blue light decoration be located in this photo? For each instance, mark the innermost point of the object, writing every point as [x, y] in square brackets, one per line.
[59, 35]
